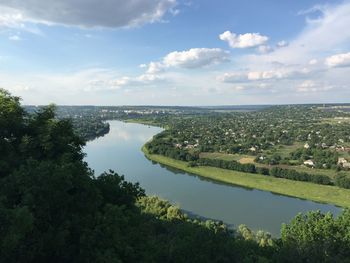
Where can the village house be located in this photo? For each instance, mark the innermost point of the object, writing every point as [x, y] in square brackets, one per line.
[309, 163]
[253, 149]
[343, 162]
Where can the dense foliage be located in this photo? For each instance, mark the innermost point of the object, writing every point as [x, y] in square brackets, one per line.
[87, 124]
[53, 209]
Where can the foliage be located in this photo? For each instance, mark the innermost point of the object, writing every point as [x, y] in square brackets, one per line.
[53, 209]
[316, 237]
[343, 181]
[300, 176]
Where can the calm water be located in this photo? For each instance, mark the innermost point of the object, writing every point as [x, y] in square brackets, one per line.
[120, 150]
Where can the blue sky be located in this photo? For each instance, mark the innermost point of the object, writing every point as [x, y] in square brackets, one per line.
[175, 52]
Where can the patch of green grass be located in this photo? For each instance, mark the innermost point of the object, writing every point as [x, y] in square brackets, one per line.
[222, 156]
[285, 150]
[319, 193]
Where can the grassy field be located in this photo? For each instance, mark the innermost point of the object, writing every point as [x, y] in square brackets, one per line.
[320, 193]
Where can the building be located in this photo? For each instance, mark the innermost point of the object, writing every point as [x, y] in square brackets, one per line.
[309, 163]
[342, 161]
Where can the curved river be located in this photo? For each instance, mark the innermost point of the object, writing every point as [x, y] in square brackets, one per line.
[120, 150]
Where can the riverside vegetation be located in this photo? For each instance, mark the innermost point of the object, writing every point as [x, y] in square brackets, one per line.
[53, 208]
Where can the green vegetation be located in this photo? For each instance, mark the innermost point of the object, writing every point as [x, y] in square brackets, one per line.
[304, 190]
[88, 125]
[290, 142]
[54, 209]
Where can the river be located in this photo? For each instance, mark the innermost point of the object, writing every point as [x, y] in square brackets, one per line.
[120, 150]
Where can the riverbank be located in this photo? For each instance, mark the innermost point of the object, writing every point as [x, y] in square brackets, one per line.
[314, 192]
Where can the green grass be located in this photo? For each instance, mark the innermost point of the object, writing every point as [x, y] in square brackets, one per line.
[319, 193]
[285, 150]
[223, 156]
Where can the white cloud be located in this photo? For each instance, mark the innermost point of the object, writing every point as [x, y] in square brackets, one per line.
[339, 60]
[10, 17]
[264, 49]
[233, 77]
[280, 74]
[138, 81]
[313, 62]
[155, 67]
[15, 38]
[88, 13]
[247, 40]
[282, 43]
[309, 86]
[196, 57]
[319, 37]
[188, 59]
[305, 59]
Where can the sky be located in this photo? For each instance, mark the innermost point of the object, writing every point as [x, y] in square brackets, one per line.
[175, 52]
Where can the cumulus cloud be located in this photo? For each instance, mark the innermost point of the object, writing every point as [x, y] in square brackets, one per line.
[88, 13]
[280, 74]
[247, 40]
[309, 86]
[188, 59]
[154, 67]
[305, 59]
[196, 57]
[339, 60]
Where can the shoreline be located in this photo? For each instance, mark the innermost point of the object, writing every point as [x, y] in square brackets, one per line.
[307, 191]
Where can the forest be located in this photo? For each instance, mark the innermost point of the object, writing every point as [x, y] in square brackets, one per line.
[54, 209]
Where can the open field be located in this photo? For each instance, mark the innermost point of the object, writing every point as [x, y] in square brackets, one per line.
[285, 150]
[319, 193]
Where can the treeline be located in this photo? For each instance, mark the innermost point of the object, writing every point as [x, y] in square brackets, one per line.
[163, 146]
[342, 180]
[300, 176]
[90, 128]
[275, 171]
[231, 165]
